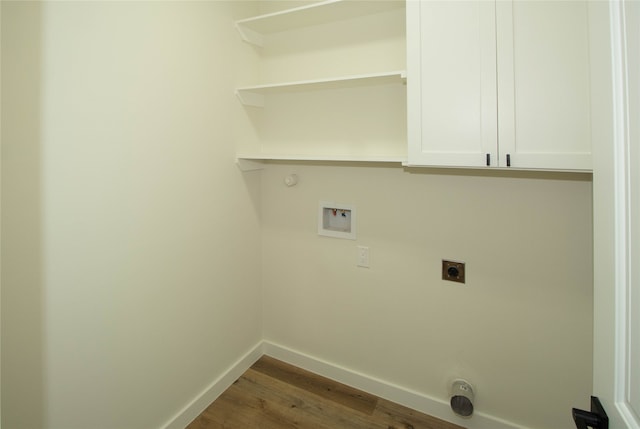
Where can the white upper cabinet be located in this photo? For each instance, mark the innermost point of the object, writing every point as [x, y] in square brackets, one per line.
[499, 84]
[544, 84]
[451, 83]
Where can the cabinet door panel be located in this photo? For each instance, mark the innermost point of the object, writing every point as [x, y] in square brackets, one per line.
[543, 84]
[451, 82]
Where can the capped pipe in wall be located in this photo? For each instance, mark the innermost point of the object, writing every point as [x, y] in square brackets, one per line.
[291, 180]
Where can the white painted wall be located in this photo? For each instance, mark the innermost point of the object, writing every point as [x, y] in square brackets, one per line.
[131, 243]
[520, 329]
[131, 273]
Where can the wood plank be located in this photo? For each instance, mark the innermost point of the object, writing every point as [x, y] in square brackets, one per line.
[275, 395]
[249, 403]
[321, 386]
[257, 397]
[398, 416]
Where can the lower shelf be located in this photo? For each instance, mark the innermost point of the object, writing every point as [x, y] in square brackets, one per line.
[256, 162]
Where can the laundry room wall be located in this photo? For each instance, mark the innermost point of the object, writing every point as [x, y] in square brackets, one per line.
[130, 250]
[519, 329]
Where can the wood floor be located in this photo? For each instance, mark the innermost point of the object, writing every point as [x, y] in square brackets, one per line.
[274, 395]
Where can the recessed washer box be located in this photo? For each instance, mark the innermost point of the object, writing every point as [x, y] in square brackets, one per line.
[337, 220]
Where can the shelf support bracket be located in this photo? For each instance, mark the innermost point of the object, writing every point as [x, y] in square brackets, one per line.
[250, 36]
[249, 164]
[250, 98]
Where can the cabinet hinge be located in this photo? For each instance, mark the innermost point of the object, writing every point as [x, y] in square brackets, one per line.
[488, 160]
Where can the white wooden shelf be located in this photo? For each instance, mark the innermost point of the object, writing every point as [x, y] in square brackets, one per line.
[254, 95]
[254, 30]
[280, 137]
[249, 162]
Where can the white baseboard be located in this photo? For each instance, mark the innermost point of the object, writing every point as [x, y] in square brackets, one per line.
[215, 389]
[415, 400]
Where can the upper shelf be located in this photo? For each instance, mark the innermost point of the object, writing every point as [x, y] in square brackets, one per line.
[254, 95]
[253, 30]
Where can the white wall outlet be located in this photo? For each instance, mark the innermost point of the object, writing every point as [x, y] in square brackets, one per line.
[363, 256]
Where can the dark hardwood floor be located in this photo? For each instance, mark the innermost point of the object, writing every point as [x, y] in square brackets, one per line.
[274, 395]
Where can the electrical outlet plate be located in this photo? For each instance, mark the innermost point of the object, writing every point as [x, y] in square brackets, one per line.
[363, 256]
[453, 271]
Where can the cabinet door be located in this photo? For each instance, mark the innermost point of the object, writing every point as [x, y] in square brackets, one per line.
[451, 83]
[543, 84]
